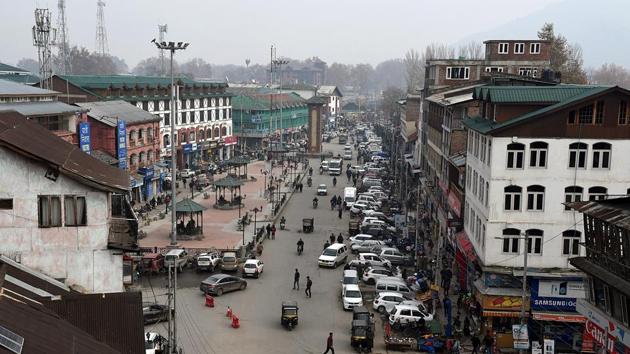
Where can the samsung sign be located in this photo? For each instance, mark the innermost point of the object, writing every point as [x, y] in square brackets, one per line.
[556, 295]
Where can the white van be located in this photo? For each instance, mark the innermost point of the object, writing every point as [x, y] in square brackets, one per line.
[334, 255]
[349, 196]
[393, 284]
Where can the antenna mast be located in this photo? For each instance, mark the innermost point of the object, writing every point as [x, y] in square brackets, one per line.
[44, 36]
[101, 32]
[62, 44]
[163, 29]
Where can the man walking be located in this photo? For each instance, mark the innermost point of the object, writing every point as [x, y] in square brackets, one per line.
[476, 343]
[296, 280]
[309, 283]
[329, 344]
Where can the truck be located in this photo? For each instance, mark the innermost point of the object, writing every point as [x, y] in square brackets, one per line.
[334, 167]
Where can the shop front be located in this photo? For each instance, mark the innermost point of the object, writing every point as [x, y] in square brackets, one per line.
[602, 333]
[230, 142]
[148, 189]
[466, 260]
[191, 155]
[136, 182]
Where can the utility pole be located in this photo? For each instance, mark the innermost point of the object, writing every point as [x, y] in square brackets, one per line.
[101, 33]
[273, 51]
[162, 31]
[279, 63]
[44, 36]
[62, 44]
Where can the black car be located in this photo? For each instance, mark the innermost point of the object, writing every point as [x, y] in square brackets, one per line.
[154, 313]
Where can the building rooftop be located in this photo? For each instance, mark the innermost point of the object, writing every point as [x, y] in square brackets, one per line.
[43, 108]
[329, 91]
[120, 81]
[35, 142]
[11, 88]
[530, 94]
[11, 69]
[21, 78]
[109, 112]
[261, 102]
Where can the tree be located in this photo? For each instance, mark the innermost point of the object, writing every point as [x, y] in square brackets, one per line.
[389, 105]
[197, 68]
[82, 62]
[414, 65]
[472, 50]
[611, 74]
[29, 64]
[362, 77]
[338, 74]
[120, 65]
[439, 51]
[565, 58]
[389, 73]
[153, 67]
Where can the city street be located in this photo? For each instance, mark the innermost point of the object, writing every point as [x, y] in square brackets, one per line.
[207, 330]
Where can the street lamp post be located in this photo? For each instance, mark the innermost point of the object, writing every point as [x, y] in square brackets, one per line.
[279, 63]
[255, 213]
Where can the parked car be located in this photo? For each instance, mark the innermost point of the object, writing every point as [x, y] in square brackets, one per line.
[351, 297]
[218, 284]
[153, 313]
[350, 276]
[335, 254]
[322, 189]
[229, 262]
[207, 261]
[395, 256]
[372, 274]
[385, 301]
[360, 207]
[403, 314]
[253, 267]
[359, 238]
[366, 246]
[186, 173]
[374, 259]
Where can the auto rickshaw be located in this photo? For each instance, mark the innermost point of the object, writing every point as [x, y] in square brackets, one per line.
[362, 337]
[362, 313]
[308, 225]
[289, 318]
[152, 263]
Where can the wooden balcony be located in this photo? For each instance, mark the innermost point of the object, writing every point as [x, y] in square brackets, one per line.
[123, 225]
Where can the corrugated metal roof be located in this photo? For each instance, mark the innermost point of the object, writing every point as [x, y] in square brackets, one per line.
[108, 112]
[530, 94]
[36, 142]
[613, 211]
[11, 88]
[261, 102]
[328, 91]
[20, 78]
[11, 68]
[44, 108]
[119, 81]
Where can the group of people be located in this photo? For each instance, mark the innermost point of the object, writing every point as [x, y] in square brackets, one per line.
[332, 239]
[271, 231]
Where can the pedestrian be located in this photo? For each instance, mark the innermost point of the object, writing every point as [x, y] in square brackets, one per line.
[488, 342]
[467, 326]
[475, 344]
[273, 231]
[309, 283]
[460, 299]
[446, 279]
[447, 306]
[301, 186]
[296, 280]
[329, 344]
[340, 238]
[326, 244]
[332, 238]
[340, 211]
[268, 229]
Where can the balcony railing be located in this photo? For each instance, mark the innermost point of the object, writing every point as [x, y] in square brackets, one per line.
[123, 225]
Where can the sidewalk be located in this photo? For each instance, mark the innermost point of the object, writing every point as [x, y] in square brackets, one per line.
[220, 226]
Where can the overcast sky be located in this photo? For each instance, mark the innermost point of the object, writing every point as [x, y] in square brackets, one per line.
[229, 31]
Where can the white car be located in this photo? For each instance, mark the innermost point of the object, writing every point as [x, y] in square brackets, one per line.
[253, 267]
[372, 221]
[372, 274]
[322, 189]
[375, 214]
[208, 261]
[185, 173]
[359, 238]
[357, 169]
[385, 301]
[324, 165]
[367, 246]
[403, 314]
[351, 297]
[359, 207]
[374, 260]
[350, 277]
[368, 198]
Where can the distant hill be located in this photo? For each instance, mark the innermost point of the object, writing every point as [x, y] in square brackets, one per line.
[600, 27]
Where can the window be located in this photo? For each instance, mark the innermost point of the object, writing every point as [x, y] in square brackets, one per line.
[191, 136]
[534, 48]
[597, 193]
[141, 156]
[494, 69]
[577, 155]
[487, 188]
[481, 190]
[572, 194]
[535, 198]
[622, 118]
[150, 134]
[133, 159]
[534, 242]
[202, 135]
[538, 154]
[75, 210]
[519, 48]
[601, 155]
[504, 48]
[512, 198]
[511, 240]
[515, 155]
[457, 73]
[150, 156]
[6, 204]
[571, 119]
[49, 211]
[528, 71]
[586, 114]
[599, 112]
[571, 243]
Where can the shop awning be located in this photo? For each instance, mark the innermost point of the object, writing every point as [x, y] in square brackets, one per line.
[558, 317]
[488, 313]
[465, 246]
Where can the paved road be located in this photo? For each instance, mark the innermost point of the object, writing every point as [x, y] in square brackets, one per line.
[205, 330]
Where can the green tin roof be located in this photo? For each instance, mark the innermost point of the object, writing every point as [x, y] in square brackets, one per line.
[11, 68]
[119, 81]
[261, 102]
[530, 94]
[228, 182]
[26, 78]
[485, 126]
[188, 206]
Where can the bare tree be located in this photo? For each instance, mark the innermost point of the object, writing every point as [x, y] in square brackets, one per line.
[152, 67]
[414, 64]
[197, 68]
[610, 74]
[439, 51]
[28, 64]
[472, 50]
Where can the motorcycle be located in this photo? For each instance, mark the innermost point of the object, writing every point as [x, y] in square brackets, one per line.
[310, 171]
[314, 203]
[300, 249]
[282, 223]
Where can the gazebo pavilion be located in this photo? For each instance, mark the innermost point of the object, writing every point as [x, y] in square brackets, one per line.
[189, 208]
[237, 167]
[232, 183]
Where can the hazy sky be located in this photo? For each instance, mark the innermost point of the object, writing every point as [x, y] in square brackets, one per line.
[229, 31]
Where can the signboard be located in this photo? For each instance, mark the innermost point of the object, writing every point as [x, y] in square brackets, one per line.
[504, 303]
[121, 144]
[588, 342]
[230, 140]
[549, 346]
[455, 203]
[520, 336]
[187, 148]
[604, 329]
[84, 137]
[256, 119]
[556, 295]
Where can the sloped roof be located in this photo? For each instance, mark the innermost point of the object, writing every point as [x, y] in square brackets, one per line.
[108, 112]
[37, 143]
[11, 88]
[485, 126]
[188, 206]
[21, 78]
[43, 108]
[530, 94]
[238, 160]
[613, 211]
[119, 81]
[329, 91]
[262, 101]
[11, 68]
[228, 181]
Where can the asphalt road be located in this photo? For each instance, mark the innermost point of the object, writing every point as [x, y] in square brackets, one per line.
[207, 330]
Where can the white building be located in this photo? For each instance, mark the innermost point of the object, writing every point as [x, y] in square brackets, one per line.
[532, 149]
[333, 95]
[56, 207]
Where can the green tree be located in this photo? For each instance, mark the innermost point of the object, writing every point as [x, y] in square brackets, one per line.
[565, 58]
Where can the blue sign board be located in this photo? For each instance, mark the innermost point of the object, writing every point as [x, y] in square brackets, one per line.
[188, 148]
[84, 137]
[256, 119]
[556, 295]
[121, 144]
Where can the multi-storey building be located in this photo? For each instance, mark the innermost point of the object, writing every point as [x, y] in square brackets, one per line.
[606, 306]
[204, 110]
[311, 72]
[529, 150]
[63, 212]
[333, 95]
